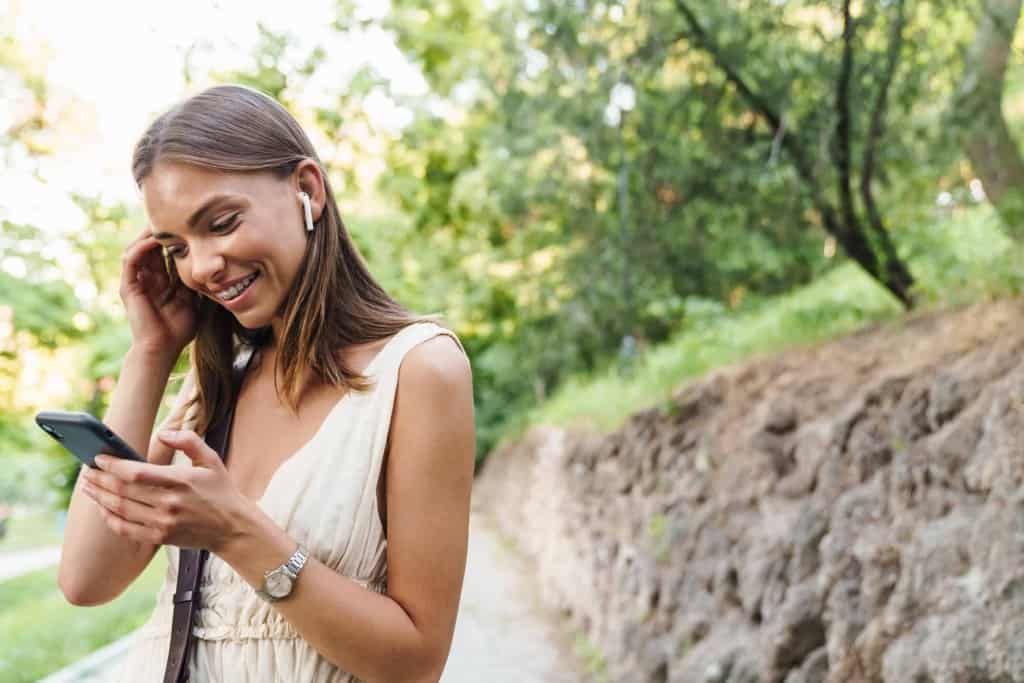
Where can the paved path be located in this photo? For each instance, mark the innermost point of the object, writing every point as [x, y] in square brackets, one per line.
[503, 634]
[15, 564]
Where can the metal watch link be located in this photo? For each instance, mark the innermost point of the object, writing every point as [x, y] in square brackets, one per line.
[278, 583]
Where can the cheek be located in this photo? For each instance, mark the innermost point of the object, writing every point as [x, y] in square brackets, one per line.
[286, 254]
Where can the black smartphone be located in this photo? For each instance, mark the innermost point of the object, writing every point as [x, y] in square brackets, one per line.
[85, 436]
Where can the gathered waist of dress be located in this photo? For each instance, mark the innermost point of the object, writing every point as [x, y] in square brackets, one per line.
[232, 611]
[235, 612]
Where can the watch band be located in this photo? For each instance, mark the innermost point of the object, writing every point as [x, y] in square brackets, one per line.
[296, 562]
[291, 568]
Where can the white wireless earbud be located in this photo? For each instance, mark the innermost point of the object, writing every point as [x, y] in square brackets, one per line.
[307, 210]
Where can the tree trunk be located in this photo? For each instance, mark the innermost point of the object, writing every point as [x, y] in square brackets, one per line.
[977, 112]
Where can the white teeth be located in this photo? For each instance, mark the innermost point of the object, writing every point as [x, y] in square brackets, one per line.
[234, 290]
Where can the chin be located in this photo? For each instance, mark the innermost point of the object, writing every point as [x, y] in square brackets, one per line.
[252, 323]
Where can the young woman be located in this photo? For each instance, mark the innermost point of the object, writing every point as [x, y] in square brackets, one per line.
[351, 454]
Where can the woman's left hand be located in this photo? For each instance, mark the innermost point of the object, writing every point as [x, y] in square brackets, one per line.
[189, 507]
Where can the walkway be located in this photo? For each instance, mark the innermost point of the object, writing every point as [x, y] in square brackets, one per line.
[14, 564]
[503, 633]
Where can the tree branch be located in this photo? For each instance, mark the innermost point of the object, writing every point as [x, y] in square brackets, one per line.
[841, 148]
[763, 107]
[877, 125]
[755, 100]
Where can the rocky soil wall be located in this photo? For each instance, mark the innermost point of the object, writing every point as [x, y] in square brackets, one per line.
[849, 512]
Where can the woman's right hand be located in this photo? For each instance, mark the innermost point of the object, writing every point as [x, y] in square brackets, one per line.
[162, 314]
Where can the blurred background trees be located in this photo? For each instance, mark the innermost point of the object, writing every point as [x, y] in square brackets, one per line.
[579, 182]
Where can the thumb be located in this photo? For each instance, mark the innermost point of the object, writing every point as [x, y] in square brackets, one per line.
[189, 443]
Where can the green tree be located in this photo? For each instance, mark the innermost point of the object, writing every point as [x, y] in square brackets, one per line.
[976, 110]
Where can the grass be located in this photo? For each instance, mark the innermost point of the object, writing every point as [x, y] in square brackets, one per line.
[34, 530]
[956, 259]
[843, 300]
[590, 656]
[42, 633]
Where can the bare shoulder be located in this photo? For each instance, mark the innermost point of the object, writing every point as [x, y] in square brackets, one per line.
[434, 401]
[436, 365]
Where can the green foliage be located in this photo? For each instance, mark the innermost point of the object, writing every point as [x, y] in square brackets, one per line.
[965, 256]
[593, 173]
[957, 259]
[39, 528]
[42, 633]
[594, 662]
[42, 302]
[843, 300]
[44, 310]
[585, 192]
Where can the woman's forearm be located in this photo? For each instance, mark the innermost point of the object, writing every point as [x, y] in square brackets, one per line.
[364, 633]
[136, 398]
[96, 564]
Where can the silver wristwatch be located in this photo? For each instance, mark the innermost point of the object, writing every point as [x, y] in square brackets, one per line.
[278, 583]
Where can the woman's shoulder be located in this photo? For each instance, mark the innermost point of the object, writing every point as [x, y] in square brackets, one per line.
[436, 363]
[434, 331]
[412, 337]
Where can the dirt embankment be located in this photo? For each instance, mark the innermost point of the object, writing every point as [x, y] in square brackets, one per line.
[849, 512]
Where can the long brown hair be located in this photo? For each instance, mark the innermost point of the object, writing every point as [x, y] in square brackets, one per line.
[333, 303]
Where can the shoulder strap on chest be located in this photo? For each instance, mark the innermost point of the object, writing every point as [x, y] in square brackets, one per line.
[191, 560]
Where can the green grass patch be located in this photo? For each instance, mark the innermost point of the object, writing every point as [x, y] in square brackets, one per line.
[956, 258]
[42, 633]
[843, 300]
[34, 530]
[592, 659]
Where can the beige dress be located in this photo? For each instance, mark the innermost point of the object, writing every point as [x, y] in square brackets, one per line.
[325, 496]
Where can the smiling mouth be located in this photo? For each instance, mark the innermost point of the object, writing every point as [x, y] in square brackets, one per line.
[236, 290]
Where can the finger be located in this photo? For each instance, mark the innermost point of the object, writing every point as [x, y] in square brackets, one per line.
[129, 529]
[110, 483]
[134, 260]
[141, 472]
[175, 292]
[190, 443]
[159, 275]
[181, 297]
[143, 234]
[125, 508]
[151, 263]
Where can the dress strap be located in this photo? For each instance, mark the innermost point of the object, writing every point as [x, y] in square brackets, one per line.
[408, 337]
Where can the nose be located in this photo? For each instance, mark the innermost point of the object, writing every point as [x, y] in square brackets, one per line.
[207, 266]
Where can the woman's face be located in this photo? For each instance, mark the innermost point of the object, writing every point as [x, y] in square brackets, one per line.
[236, 238]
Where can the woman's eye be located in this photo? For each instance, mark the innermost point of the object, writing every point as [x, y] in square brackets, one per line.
[225, 225]
[175, 252]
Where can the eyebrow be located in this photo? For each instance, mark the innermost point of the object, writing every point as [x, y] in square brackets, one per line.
[198, 214]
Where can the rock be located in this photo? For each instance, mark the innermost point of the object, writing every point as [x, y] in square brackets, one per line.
[845, 513]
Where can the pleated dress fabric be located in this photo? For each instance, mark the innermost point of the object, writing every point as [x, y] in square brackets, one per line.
[325, 496]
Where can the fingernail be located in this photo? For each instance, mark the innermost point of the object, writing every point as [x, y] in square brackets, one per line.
[167, 433]
[102, 460]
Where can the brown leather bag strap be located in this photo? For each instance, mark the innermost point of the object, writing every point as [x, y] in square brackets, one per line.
[191, 560]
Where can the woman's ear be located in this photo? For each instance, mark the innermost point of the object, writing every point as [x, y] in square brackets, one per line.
[309, 179]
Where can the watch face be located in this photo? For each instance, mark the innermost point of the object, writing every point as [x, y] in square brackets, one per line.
[279, 585]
